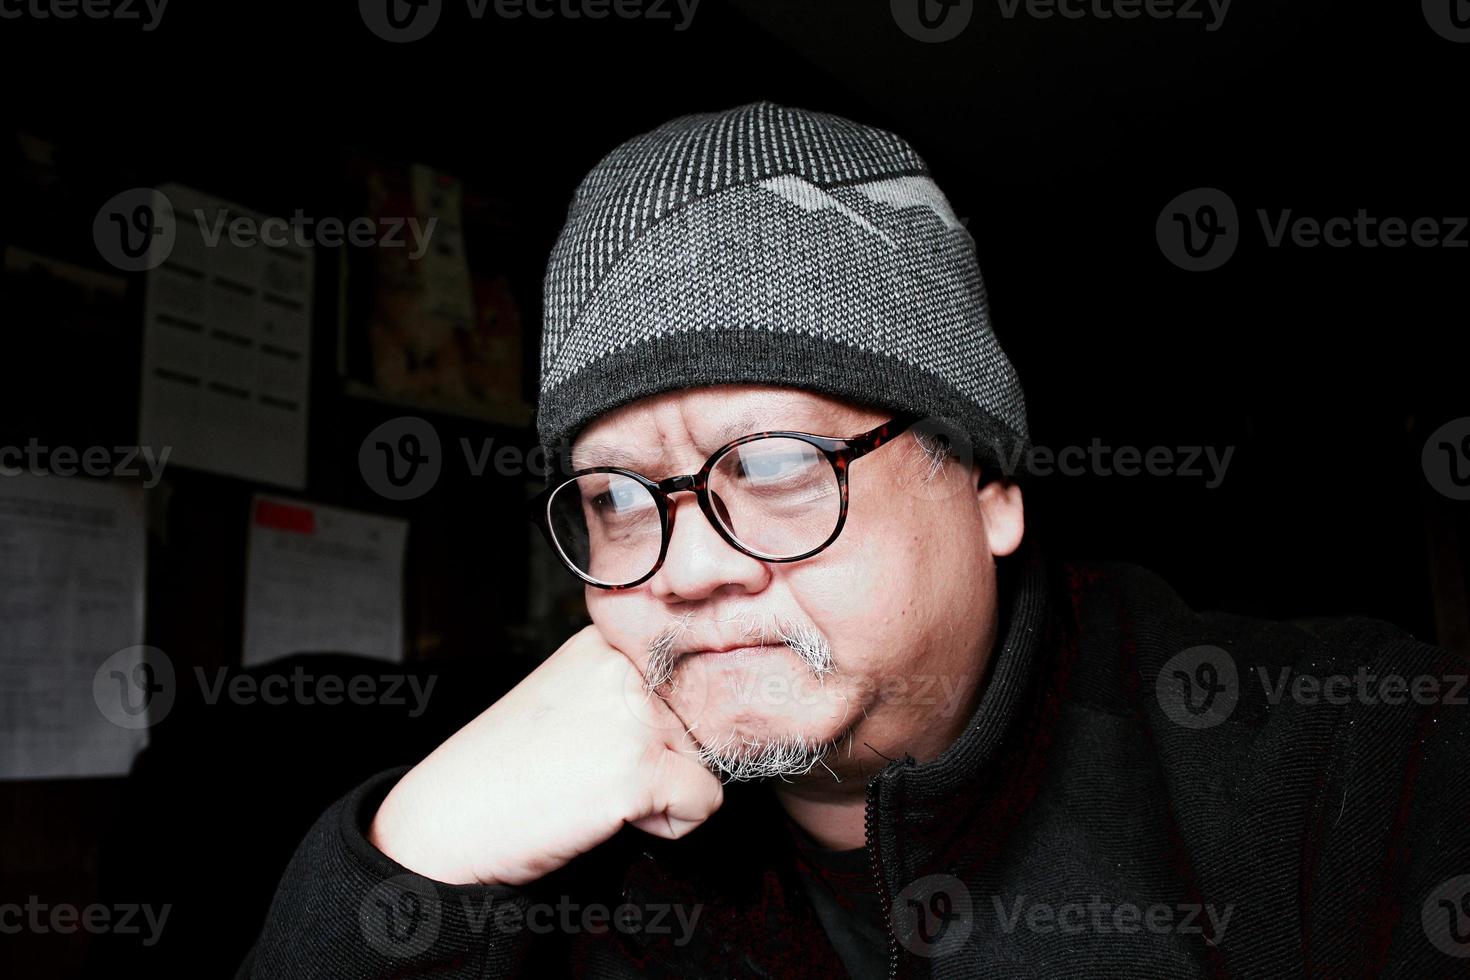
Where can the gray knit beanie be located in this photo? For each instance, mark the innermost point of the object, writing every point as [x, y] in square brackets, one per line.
[772, 245]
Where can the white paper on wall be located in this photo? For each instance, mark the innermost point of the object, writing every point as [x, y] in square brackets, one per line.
[227, 347]
[72, 561]
[322, 580]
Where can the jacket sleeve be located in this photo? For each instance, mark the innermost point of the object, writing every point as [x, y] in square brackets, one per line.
[1387, 887]
[343, 908]
[1422, 902]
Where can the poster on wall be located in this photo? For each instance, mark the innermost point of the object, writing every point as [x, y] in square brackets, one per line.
[430, 317]
[227, 346]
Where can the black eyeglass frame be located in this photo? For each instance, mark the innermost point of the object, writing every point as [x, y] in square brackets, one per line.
[840, 454]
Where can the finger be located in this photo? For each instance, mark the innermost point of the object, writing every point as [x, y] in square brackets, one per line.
[684, 795]
[670, 712]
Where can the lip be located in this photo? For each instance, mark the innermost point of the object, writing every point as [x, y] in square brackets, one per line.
[728, 651]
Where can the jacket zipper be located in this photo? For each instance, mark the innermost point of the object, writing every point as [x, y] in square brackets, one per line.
[870, 821]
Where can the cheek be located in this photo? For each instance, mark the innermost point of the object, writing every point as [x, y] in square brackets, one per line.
[900, 573]
[623, 619]
[863, 591]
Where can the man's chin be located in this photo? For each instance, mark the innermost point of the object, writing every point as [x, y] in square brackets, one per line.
[752, 752]
[723, 722]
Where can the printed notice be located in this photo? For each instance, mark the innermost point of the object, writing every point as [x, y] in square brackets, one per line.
[227, 347]
[322, 580]
[71, 615]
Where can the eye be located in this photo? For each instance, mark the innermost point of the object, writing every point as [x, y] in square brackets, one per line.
[621, 497]
[770, 464]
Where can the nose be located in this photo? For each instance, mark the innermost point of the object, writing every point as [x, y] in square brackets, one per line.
[700, 562]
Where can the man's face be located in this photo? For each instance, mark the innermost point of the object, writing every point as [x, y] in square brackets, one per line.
[883, 638]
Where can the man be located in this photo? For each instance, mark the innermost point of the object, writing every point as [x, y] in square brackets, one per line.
[835, 711]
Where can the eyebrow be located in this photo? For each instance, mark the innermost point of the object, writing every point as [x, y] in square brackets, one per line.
[606, 454]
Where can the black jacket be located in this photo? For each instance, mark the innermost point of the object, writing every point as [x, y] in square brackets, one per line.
[1143, 791]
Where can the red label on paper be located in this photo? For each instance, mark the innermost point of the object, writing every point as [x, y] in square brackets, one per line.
[285, 517]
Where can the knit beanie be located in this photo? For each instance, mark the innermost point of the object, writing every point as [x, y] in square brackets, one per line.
[772, 245]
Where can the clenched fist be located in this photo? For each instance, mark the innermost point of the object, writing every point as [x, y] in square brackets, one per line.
[548, 772]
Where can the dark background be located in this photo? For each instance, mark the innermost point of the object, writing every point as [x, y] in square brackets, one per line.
[1059, 141]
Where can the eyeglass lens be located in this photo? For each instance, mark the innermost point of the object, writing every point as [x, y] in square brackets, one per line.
[778, 497]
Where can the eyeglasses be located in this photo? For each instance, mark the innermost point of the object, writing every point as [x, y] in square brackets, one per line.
[775, 496]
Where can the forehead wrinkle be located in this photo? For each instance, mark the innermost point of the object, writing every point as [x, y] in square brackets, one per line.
[608, 454]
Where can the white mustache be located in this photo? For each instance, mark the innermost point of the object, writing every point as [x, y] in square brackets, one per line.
[803, 639]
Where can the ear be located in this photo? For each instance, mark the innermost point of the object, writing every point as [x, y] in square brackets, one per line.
[1004, 516]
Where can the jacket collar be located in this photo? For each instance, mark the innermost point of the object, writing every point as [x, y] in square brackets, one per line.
[740, 868]
[912, 796]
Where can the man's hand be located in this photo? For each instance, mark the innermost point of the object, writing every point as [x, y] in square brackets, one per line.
[548, 772]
